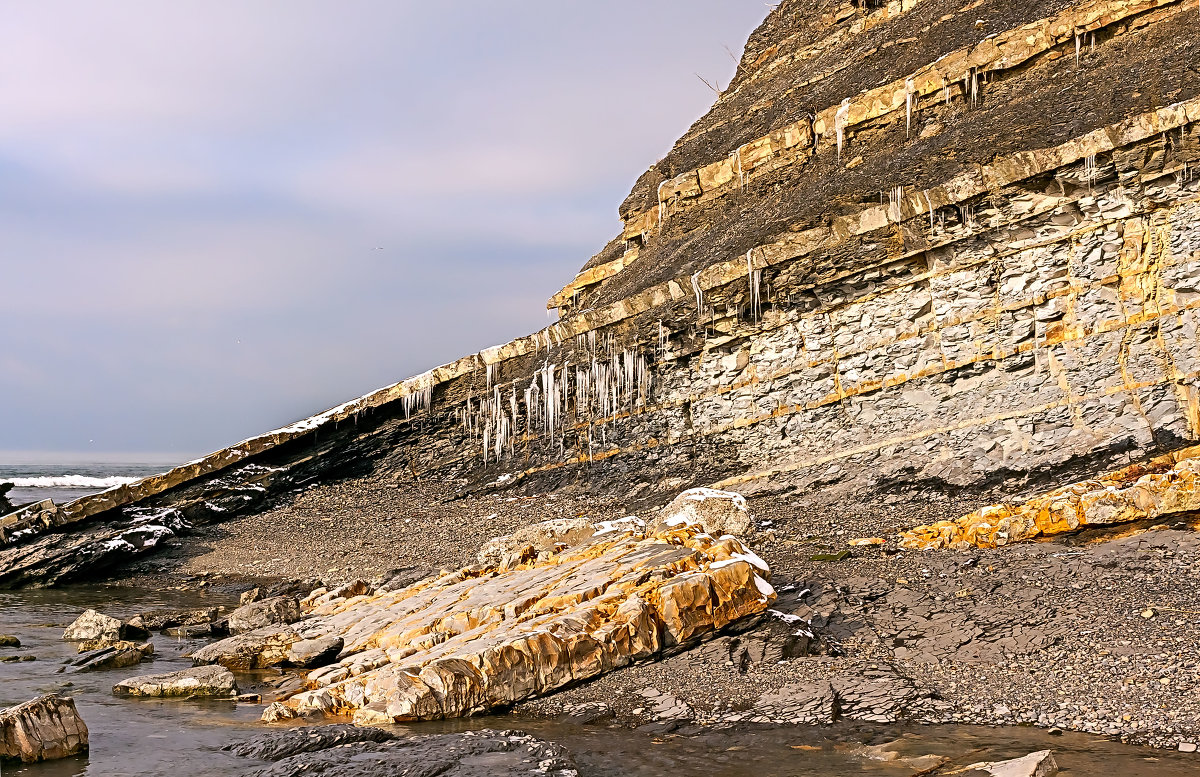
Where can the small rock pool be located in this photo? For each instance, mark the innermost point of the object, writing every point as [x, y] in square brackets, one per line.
[177, 738]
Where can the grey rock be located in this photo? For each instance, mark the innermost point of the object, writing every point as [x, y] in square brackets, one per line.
[93, 625]
[265, 612]
[197, 681]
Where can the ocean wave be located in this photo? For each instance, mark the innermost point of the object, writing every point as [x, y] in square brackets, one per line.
[69, 481]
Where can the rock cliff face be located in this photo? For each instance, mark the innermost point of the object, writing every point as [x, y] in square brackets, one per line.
[921, 241]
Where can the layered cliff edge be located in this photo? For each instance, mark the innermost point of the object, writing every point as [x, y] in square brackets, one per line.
[944, 243]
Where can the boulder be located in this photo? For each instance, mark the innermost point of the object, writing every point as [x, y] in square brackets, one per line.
[43, 729]
[265, 612]
[9, 641]
[198, 681]
[716, 512]
[112, 657]
[489, 636]
[310, 653]
[256, 649]
[483, 753]
[1039, 764]
[93, 626]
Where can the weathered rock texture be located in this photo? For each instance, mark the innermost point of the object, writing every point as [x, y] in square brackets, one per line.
[197, 681]
[1165, 485]
[914, 242]
[44, 729]
[492, 635]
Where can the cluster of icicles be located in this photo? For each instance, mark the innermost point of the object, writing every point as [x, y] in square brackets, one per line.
[559, 397]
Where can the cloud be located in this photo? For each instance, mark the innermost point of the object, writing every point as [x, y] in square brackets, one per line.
[221, 217]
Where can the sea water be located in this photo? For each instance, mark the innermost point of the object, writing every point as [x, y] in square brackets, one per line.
[70, 477]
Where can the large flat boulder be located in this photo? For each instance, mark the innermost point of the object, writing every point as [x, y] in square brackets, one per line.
[214, 681]
[540, 618]
[43, 729]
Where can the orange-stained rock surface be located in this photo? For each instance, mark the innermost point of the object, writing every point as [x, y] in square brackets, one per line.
[43, 729]
[494, 634]
[1161, 486]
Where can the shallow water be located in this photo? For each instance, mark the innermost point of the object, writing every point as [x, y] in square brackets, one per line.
[176, 738]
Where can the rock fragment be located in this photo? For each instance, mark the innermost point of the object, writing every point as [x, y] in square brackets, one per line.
[265, 612]
[114, 656]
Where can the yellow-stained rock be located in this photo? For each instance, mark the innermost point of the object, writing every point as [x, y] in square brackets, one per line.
[506, 630]
[1161, 486]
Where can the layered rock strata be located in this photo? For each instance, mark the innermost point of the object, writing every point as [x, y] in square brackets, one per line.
[1163, 486]
[497, 633]
[927, 242]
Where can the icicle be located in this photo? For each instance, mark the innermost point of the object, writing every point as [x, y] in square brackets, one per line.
[929, 207]
[839, 124]
[895, 203]
[946, 93]
[909, 90]
[662, 206]
[1077, 41]
[490, 373]
[699, 294]
[752, 278]
[737, 157]
[1089, 169]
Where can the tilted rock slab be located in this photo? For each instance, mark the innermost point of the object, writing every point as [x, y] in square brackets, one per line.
[1161, 486]
[492, 635]
[43, 729]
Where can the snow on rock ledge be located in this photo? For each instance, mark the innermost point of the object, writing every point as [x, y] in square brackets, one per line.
[499, 632]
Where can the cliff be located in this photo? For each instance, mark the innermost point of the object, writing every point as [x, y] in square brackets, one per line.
[923, 242]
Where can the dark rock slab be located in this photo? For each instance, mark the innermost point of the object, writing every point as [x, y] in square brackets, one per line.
[307, 739]
[485, 753]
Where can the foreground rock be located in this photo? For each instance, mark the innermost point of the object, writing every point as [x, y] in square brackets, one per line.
[198, 681]
[1166, 485]
[342, 751]
[42, 730]
[494, 634]
[715, 512]
[112, 657]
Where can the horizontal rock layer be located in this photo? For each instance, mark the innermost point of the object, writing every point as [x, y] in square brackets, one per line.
[1166, 485]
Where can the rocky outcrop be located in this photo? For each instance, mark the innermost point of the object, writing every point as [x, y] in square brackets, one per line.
[43, 729]
[306, 739]
[1164, 486]
[1039, 764]
[198, 681]
[494, 634]
[484, 753]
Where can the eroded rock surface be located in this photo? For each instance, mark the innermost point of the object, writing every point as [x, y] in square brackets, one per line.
[491, 635]
[265, 612]
[113, 656]
[42, 729]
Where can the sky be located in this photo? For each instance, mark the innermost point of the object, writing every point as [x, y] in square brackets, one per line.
[218, 218]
